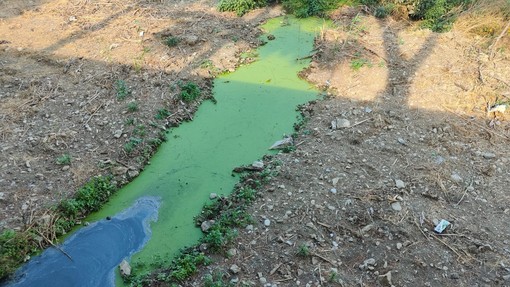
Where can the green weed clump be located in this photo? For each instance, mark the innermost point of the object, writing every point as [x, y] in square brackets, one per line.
[241, 7]
[307, 8]
[65, 159]
[172, 41]
[189, 91]
[14, 249]
[122, 89]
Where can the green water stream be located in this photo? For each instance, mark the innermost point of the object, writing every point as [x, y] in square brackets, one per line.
[255, 107]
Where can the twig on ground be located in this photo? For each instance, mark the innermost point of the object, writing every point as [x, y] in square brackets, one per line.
[493, 46]
[58, 248]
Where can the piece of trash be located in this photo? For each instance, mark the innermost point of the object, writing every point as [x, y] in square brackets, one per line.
[497, 108]
[281, 144]
[441, 226]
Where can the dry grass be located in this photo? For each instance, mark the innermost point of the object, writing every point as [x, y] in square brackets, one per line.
[485, 18]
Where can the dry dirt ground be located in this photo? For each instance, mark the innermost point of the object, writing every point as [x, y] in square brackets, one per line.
[354, 205]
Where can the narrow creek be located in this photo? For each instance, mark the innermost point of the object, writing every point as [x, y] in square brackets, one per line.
[255, 107]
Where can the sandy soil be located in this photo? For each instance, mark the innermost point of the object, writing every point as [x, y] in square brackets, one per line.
[354, 205]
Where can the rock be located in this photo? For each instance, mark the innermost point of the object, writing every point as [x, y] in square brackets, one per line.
[249, 227]
[2, 195]
[333, 190]
[400, 184]
[190, 40]
[506, 277]
[340, 124]
[125, 268]
[213, 195]
[456, 178]
[117, 134]
[232, 252]
[271, 37]
[369, 261]
[258, 164]
[206, 225]
[402, 141]
[399, 246]
[335, 180]
[396, 206]
[119, 170]
[235, 269]
[281, 144]
[262, 280]
[65, 168]
[267, 222]
[488, 155]
[39, 176]
[386, 279]
[133, 173]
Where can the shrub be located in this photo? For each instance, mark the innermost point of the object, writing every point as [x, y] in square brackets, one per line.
[306, 8]
[172, 41]
[122, 89]
[241, 7]
[189, 91]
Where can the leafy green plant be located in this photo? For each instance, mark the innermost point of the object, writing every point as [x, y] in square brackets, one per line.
[65, 159]
[189, 91]
[186, 265]
[162, 114]
[132, 106]
[172, 41]
[130, 146]
[130, 121]
[307, 8]
[358, 63]
[241, 7]
[303, 251]
[122, 89]
[139, 130]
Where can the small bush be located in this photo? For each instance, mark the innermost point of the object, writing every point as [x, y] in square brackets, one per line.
[172, 41]
[189, 91]
[241, 7]
[162, 114]
[186, 265]
[307, 8]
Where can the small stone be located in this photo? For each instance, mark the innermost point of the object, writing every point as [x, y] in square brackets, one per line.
[133, 173]
[456, 178]
[27, 164]
[206, 225]
[249, 227]
[65, 167]
[262, 280]
[190, 40]
[386, 279]
[117, 134]
[369, 261]
[342, 123]
[335, 180]
[119, 170]
[39, 176]
[396, 206]
[2, 195]
[125, 268]
[488, 155]
[271, 37]
[235, 269]
[232, 252]
[506, 277]
[333, 190]
[400, 184]
[399, 246]
[213, 195]
[267, 222]
[258, 164]
[402, 141]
